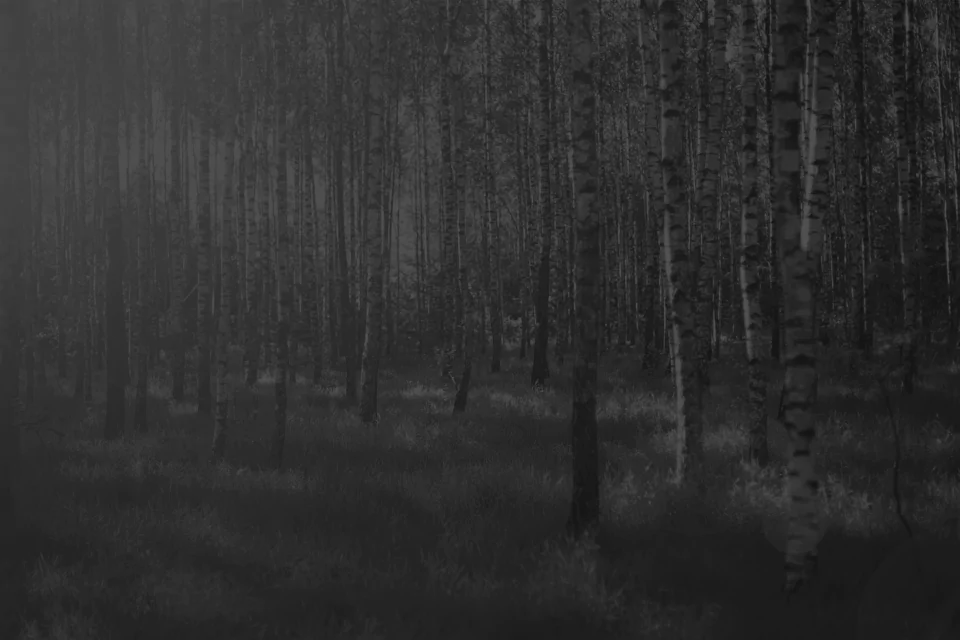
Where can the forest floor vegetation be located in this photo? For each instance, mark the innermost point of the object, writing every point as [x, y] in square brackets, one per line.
[428, 525]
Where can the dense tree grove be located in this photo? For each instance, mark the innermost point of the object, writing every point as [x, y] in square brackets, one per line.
[194, 189]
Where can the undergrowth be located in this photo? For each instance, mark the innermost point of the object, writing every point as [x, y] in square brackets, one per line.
[428, 525]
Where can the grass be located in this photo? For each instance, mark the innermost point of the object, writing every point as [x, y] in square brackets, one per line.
[432, 526]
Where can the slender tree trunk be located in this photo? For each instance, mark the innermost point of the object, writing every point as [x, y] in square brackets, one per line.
[15, 194]
[227, 283]
[709, 196]
[144, 239]
[347, 308]
[253, 271]
[676, 257]
[204, 217]
[585, 502]
[493, 219]
[654, 182]
[821, 132]
[267, 283]
[750, 241]
[905, 180]
[449, 268]
[177, 203]
[84, 216]
[526, 238]
[374, 233]
[284, 298]
[861, 280]
[32, 235]
[113, 222]
[800, 356]
[774, 297]
[465, 334]
[540, 370]
[63, 269]
[309, 210]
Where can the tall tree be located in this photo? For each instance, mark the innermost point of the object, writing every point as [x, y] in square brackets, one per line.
[144, 218]
[859, 273]
[177, 201]
[799, 354]
[15, 195]
[204, 215]
[540, 370]
[116, 330]
[820, 131]
[374, 233]
[449, 269]
[906, 204]
[85, 216]
[675, 245]
[585, 503]
[284, 297]
[492, 258]
[709, 192]
[347, 308]
[750, 240]
[464, 297]
[252, 238]
[654, 184]
[228, 275]
[311, 284]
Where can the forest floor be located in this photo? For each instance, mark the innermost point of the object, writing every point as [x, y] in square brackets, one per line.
[433, 526]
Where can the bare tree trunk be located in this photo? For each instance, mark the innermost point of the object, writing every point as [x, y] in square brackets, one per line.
[374, 236]
[113, 221]
[144, 239]
[749, 229]
[347, 309]
[228, 281]
[654, 187]
[495, 293]
[709, 196]
[799, 355]
[585, 503]
[178, 201]
[676, 257]
[284, 301]
[540, 370]
[450, 217]
[204, 248]
[15, 193]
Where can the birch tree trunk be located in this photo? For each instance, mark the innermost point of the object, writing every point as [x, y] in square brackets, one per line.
[689, 459]
[750, 241]
[799, 354]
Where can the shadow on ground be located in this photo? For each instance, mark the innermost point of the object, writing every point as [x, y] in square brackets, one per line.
[427, 525]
